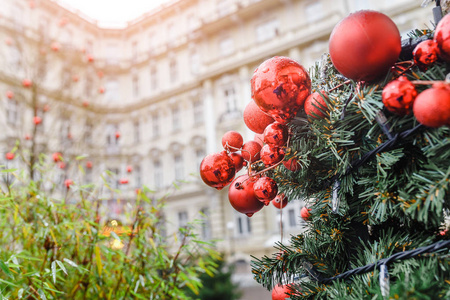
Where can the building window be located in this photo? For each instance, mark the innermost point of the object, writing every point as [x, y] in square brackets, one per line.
[89, 47]
[112, 90]
[178, 163]
[138, 176]
[198, 112]
[158, 174]
[135, 50]
[173, 70]
[111, 131]
[137, 131]
[12, 112]
[111, 54]
[267, 30]
[135, 86]
[291, 216]
[171, 32]
[314, 12]
[199, 155]
[195, 62]
[243, 225]
[205, 224]
[151, 42]
[113, 178]
[230, 99]
[153, 78]
[155, 125]
[176, 122]
[226, 46]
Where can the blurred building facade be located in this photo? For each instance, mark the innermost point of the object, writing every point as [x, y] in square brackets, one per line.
[159, 94]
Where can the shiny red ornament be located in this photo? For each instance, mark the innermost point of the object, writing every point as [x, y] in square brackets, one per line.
[129, 169]
[442, 37]
[238, 161]
[232, 141]
[315, 105]
[57, 156]
[10, 94]
[280, 201]
[123, 180]
[365, 45]
[271, 155]
[68, 183]
[276, 134]
[425, 54]
[217, 170]
[398, 96]
[27, 83]
[37, 120]
[242, 196]
[432, 106]
[266, 189]
[55, 46]
[292, 164]
[250, 151]
[304, 213]
[89, 164]
[9, 156]
[280, 86]
[255, 119]
[280, 292]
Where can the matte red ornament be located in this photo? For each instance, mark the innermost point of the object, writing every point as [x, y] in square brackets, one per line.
[271, 155]
[68, 183]
[425, 54]
[442, 37]
[280, 201]
[232, 141]
[276, 134]
[9, 156]
[292, 164]
[37, 120]
[399, 95]
[10, 94]
[129, 169]
[238, 161]
[304, 213]
[217, 170]
[432, 106]
[57, 156]
[123, 180]
[242, 196]
[250, 151]
[280, 86]
[26, 83]
[259, 138]
[266, 189]
[280, 292]
[365, 45]
[255, 119]
[89, 164]
[315, 105]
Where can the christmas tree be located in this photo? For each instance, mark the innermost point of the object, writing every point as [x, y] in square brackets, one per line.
[364, 139]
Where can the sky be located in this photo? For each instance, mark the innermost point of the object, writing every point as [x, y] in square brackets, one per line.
[113, 13]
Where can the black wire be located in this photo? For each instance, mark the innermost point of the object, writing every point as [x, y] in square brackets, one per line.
[397, 256]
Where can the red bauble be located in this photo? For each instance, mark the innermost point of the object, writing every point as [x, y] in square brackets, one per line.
[426, 54]
[10, 94]
[442, 37]
[55, 46]
[123, 180]
[90, 58]
[292, 164]
[9, 156]
[26, 83]
[365, 45]
[259, 138]
[399, 95]
[101, 90]
[100, 74]
[217, 170]
[57, 156]
[89, 164]
[280, 86]
[432, 106]
[27, 137]
[129, 169]
[280, 292]
[117, 134]
[250, 151]
[304, 213]
[37, 120]
[242, 196]
[276, 134]
[315, 105]
[238, 161]
[271, 155]
[265, 189]
[61, 165]
[68, 183]
[255, 119]
[280, 201]
[232, 141]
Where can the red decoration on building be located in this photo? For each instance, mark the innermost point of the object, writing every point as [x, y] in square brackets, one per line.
[9, 94]
[27, 83]
[37, 120]
[129, 169]
[9, 156]
[68, 183]
[89, 164]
